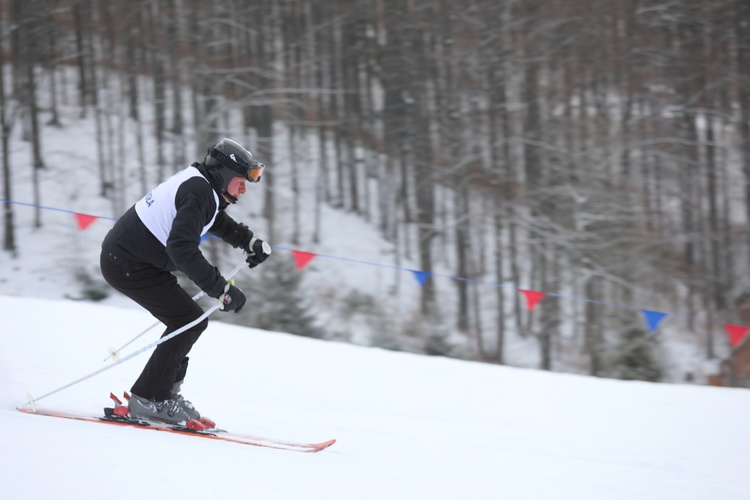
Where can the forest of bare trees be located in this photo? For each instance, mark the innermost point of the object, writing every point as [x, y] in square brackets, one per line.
[589, 148]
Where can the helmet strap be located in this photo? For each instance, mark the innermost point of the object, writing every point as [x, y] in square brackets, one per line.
[217, 182]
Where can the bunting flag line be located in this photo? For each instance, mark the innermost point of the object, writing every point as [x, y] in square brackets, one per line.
[84, 220]
[736, 333]
[301, 259]
[653, 319]
[532, 298]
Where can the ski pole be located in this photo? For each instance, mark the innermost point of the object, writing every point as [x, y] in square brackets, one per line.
[32, 401]
[114, 353]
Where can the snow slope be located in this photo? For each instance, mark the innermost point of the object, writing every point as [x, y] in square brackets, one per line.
[408, 426]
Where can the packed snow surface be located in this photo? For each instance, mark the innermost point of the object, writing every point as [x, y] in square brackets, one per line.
[408, 426]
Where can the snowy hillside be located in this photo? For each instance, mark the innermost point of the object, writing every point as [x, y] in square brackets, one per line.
[407, 426]
[361, 289]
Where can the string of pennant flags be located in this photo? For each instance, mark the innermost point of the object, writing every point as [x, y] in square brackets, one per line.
[736, 334]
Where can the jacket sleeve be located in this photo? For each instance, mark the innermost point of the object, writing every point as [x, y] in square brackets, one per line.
[236, 234]
[195, 206]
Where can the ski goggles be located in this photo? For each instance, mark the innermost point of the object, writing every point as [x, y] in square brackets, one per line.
[254, 171]
[250, 171]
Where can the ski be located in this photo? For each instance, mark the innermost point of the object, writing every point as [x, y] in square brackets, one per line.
[112, 418]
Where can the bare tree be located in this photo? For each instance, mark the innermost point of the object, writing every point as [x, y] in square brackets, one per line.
[9, 237]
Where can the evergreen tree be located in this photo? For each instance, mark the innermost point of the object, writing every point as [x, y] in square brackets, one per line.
[637, 357]
[275, 300]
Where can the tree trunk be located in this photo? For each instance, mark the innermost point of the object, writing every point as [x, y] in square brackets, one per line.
[9, 235]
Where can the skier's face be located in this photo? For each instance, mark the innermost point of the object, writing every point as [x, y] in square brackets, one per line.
[236, 187]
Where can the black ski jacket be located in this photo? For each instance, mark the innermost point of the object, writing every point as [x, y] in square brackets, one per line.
[133, 246]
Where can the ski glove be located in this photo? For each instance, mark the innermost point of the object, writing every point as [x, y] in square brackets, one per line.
[232, 299]
[258, 251]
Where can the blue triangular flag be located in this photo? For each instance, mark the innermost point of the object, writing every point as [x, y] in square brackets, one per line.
[653, 318]
[421, 276]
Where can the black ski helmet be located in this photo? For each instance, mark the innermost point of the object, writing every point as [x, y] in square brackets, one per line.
[226, 160]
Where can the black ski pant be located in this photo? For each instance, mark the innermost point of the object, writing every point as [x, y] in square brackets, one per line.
[158, 292]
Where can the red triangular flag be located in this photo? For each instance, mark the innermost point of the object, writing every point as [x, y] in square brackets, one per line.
[736, 334]
[301, 259]
[532, 298]
[84, 220]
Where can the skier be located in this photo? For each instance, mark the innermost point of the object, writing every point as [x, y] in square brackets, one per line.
[161, 234]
